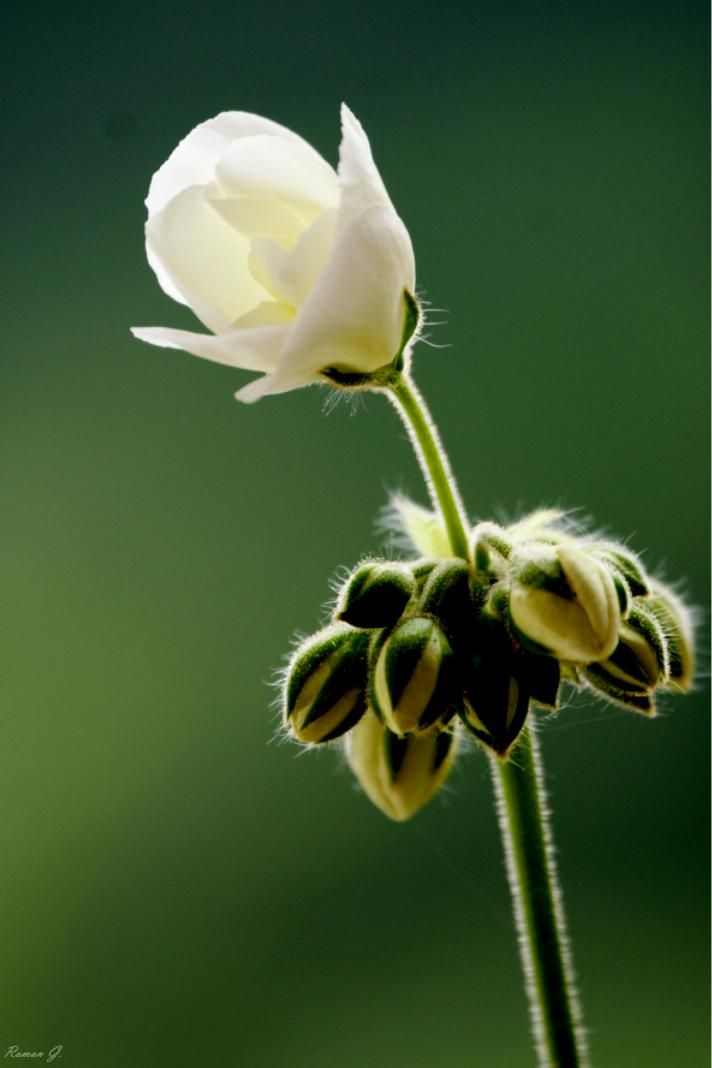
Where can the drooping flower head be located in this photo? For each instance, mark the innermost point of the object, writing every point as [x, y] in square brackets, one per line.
[301, 272]
[423, 652]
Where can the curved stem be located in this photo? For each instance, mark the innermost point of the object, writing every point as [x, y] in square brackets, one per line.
[521, 803]
[433, 460]
[538, 907]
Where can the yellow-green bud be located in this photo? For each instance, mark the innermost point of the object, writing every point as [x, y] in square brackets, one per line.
[563, 601]
[326, 683]
[375, 595]
[677, 625]
[414, 680]
[399, 775]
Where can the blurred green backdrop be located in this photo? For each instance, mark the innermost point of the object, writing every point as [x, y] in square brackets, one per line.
[176, 889]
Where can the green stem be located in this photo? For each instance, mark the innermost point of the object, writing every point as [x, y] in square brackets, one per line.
[433, 460]
[538, 906]
[521, 803]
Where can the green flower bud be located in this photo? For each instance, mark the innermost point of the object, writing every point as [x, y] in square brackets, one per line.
[490, 547]
[421, 570]
[497, 714]
[626, 563]
[399, 775]
[326, 683]
[499, 684]
[564, 602]
[446, 596]
[375, 595]
[677, 625]
[414, 681]
[623, 592]
[619, 692]
[640, 660]
[543, 675]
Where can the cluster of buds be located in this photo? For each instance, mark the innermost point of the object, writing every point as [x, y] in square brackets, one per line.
[420, 652]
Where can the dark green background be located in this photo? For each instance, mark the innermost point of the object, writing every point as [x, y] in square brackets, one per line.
[176, 890]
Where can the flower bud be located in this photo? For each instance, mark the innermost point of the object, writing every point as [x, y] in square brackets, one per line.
[544, 676]
[640, 660]
[414, 681]
[375, 595]
[422, 569]
[326, 683]
[399, 775]
[618, 692]
[564, 602]
[499, 684]
[447, 598]
[490, 547]
[623, 592]
[626, 563]
[676, 622]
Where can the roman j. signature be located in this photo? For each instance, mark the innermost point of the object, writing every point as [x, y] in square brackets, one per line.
[53, 1054]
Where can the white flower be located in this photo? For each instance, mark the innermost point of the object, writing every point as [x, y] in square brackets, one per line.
[294, 267]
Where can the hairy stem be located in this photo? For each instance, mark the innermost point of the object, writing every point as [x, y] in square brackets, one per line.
[521, 802]
[433, 460]
[538, 906]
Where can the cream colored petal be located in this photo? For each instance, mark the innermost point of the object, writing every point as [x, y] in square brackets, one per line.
[353, 318]
[256, 390]
[254, 349]
[291, 275]
[193, 161]
[268, 313]
[273, 168]
[362, 185]
[195, 253]
[258, 217]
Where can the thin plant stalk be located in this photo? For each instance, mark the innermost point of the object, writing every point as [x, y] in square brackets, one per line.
[554, 1008]
[433, 460]
[521, 802]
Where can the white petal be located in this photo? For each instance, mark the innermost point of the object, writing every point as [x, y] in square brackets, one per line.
[254, 391]
[255, 349]
[203, 259]
[259, 217]
[274, 168]
[268, 313]
[290, 275]
[354, 317]
[362, 185]
[193, 161]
